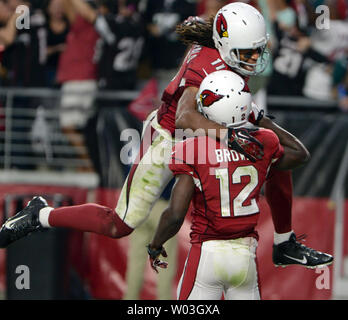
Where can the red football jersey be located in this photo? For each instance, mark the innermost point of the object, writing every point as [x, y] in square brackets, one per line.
[198, 63]
[225, 201]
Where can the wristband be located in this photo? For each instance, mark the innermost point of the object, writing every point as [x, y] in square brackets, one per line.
[154, 253]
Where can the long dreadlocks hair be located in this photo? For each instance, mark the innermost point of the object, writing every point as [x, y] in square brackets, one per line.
[195, 30]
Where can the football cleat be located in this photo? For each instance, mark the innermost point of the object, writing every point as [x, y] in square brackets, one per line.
[23, 223]
[292, 252]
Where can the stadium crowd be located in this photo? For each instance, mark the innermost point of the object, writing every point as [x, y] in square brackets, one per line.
[89, 46]
[68, 42]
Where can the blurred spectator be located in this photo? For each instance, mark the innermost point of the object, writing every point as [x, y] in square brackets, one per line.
[77, 73]
[138, 259]
[332, 41]
[211, 7]
[25, 55]
[285, 14]
[164, 50]
[305, 11]
[120, 45]
[121, 38]
[293, 54]
[57, 30]
[5, 13]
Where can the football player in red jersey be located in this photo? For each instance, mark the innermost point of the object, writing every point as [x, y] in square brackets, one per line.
[224, 187]
[234, 40]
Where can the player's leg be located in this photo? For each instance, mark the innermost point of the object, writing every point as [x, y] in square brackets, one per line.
[134, 205]
[37, 216]
[137, 260]
[146, 181]
[286, 249]
[278, 192]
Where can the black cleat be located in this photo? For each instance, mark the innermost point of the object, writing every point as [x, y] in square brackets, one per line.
[292, 252]
[23, 223]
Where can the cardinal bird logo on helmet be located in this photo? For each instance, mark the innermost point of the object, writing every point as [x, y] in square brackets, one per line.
[221, 26]
[208, 97]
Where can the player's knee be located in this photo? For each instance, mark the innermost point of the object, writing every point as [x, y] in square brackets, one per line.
[119, 228]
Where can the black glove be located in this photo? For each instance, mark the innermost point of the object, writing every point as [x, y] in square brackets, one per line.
[153, 256]
[241, 141]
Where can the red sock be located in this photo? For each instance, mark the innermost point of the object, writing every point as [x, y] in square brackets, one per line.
[278, 192]
[90, 217]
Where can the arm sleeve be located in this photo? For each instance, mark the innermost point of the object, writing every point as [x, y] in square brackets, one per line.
[104, 29]
[193, 78]
[278, 154]
[273, 149]
[277, 150]
[316, 56]
[194, 73]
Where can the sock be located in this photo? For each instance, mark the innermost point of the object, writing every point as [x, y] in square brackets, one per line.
[90, 217]
[43, 216]
[282, 237]
[278, 193]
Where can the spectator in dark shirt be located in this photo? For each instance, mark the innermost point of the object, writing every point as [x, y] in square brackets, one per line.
[57, 30]
[164, 48]
[293, 55]
[117, 53]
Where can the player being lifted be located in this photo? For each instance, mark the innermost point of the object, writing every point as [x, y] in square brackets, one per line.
[224, 187]
[235, 39]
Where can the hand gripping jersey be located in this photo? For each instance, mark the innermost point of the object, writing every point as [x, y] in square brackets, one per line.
[225, 202]
[198, 63]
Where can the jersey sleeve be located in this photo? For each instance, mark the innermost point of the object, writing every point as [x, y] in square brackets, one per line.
[277, 150]
[194, 73]
[193, 78]
[278, 153]
[274, 150]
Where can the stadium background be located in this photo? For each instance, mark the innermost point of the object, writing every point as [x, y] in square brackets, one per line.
[305, 88]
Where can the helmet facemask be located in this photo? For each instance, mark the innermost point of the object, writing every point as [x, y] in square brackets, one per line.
[240, 65]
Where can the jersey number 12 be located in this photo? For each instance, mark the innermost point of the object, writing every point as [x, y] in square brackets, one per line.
[225, 193]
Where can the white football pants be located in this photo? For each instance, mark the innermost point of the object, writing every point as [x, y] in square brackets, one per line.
[220, 267]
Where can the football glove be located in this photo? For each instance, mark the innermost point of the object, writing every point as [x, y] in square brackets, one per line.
[193, 20]
[241, 141]
[153, 257]
[257, 114]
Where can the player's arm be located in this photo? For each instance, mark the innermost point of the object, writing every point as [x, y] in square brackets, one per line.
[295, 153]
[85, 10]
[69, 11]
[9, 32]
[188, 117]
[172, 218]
